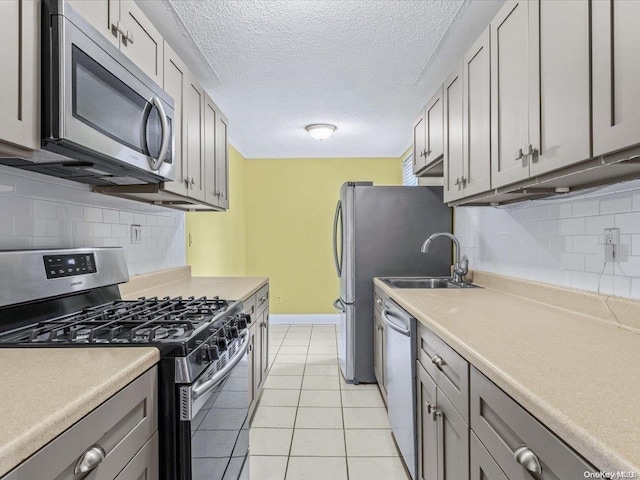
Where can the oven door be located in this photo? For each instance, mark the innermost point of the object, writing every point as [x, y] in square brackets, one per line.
[218, 408]
[100, 106]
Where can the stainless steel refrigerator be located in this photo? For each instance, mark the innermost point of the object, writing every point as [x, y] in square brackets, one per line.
[378, 232]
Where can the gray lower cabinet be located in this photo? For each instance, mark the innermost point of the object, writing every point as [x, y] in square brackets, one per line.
[499, 441]
[257, 306]
[145, 464]
[443, 436]
[483, 466]
[520, 445]
[123, 431]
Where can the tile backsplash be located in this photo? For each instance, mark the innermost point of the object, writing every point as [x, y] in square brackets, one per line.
[559, 240]
[37, 211]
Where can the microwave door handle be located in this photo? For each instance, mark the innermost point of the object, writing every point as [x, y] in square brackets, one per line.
[166, 134]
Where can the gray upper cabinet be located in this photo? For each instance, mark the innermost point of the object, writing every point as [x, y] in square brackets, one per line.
[511, 72]
[210, 167]
[124, 24]
[453, 159]
[176, 78]
[419, 143]
[140, 40]
[560, 118]
[20, 81]
[104, 15]
[428, 138]
[476, 100]
[222, 160]
[540, 118]
[194, 119]
[616, 75]
[434, 119]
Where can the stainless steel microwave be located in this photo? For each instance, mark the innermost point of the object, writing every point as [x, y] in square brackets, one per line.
[104, 121]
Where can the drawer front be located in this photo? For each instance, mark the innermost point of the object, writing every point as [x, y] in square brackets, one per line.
[144, 465]
[449, 370]
[121, 426]
[483, 467]
[505, 428]
[262, 299]
[250, 307]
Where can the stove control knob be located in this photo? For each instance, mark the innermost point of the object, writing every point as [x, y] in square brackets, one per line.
[222, 343]
[234, 332]
[241, 323]
[214, 353]
[246, 317]
[205, 354]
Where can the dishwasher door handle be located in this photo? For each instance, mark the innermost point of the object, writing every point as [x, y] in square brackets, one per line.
[393, 326]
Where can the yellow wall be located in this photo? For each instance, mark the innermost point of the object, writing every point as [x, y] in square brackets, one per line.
[290, 205]
[219, 238]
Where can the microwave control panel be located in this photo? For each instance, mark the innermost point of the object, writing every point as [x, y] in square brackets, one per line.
[57, 266]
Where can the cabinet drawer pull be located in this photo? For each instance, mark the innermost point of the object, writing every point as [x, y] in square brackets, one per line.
[379, 301]
[262, 300]
[89, 461]
[529, 460]
[437, 361]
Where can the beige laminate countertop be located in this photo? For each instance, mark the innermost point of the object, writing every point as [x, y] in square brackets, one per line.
[47, 390]
[579, 375]
[228, 288]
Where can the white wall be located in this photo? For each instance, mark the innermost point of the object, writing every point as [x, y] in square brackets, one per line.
[37, 211]
[558, 240]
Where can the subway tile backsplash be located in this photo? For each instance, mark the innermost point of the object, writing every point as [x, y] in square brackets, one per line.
[37, 211]
[559, 240]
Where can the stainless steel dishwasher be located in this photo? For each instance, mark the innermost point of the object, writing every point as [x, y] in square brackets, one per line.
[400, 377]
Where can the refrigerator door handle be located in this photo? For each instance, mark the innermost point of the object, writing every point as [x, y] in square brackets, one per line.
[337, 260]
[339, 305]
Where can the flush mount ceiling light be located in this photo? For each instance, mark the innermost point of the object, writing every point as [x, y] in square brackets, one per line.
[320, 131]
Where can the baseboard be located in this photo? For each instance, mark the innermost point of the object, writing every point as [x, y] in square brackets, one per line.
[304, 319]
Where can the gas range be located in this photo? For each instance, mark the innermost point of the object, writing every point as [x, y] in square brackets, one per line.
[70, 298]
[196, 331]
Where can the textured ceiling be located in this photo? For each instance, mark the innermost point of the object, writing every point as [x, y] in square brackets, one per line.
[276, 66]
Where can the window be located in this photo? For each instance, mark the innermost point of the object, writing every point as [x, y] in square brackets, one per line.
[408, 178]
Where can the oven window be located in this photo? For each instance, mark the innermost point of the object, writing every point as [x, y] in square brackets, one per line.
[108, 105]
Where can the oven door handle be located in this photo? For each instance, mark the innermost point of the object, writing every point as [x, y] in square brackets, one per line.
[205, 387]
[166, 135]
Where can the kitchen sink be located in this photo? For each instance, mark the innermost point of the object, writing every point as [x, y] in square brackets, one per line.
[425, 282]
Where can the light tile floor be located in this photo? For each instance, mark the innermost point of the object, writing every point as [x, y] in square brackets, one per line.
[310, 424]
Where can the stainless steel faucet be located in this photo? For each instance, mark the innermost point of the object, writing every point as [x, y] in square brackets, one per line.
[460, 268]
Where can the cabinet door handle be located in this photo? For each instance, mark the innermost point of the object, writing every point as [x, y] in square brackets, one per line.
[519, 154]
[530, 151]
[117, 28]
[427, 153]
[421, 154]
[128, 37]
[437, 361]
[89, 461]
[529, 460]
[379, 301]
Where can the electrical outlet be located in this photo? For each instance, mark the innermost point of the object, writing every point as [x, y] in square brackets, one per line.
[136, 234]
[611, 244]
[279, 299]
